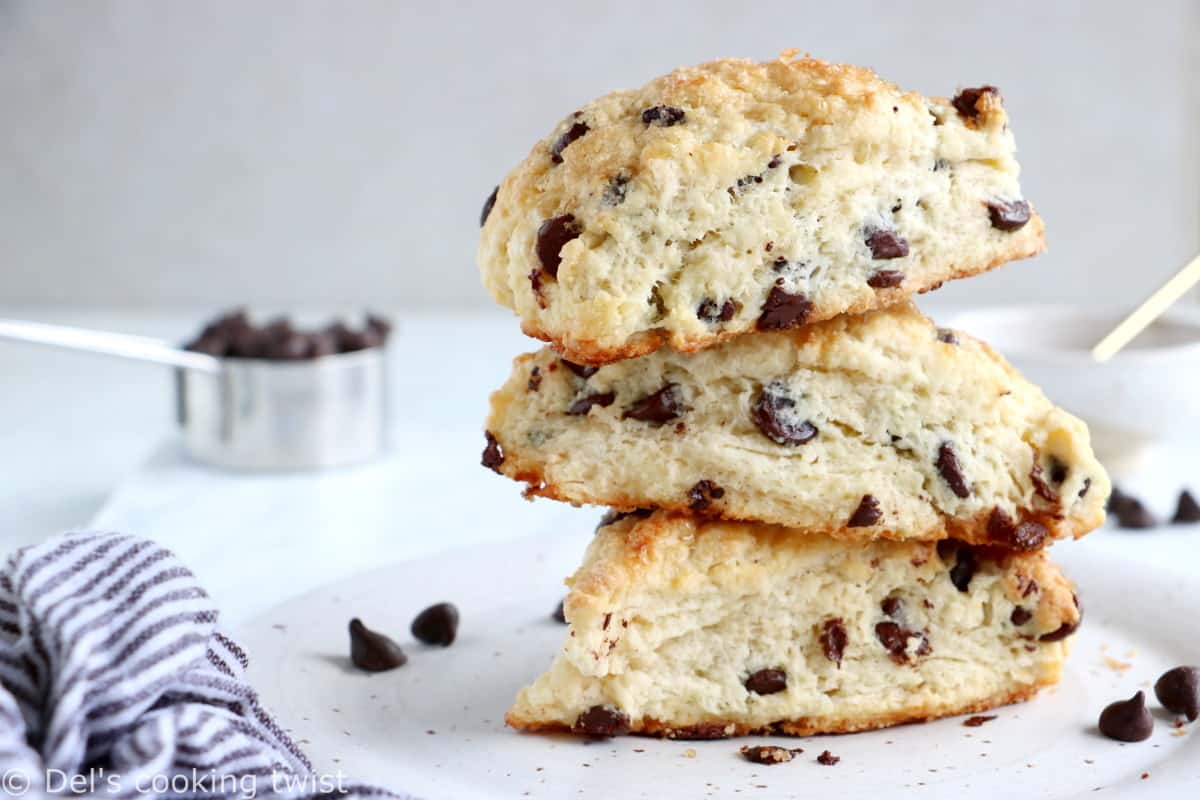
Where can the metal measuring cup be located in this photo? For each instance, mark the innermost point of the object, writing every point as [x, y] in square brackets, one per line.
[255, 414]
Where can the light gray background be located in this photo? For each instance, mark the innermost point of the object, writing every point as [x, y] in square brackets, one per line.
[197, 154]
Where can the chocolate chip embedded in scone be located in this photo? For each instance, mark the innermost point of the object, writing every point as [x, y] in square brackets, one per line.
[1027, 534]
[950, 470]
[658, 407]
[487, 206]
[833, 639]
[766, 681]
[552, 236]
[887, 244]
[783, 309]
[895, 639]
[577, 129]
[493, 453]
[885, 279]
[967, 101]
[867, 513]
[775, 414]
[580, 406]
[663, 116]
[603, 721]
[702, 495]
[1009, 215]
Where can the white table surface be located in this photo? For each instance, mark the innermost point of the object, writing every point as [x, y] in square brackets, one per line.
[88, 441]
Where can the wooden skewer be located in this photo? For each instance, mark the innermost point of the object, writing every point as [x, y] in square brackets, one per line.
[1148, 311]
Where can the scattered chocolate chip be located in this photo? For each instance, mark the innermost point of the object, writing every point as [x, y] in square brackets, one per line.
[1023, 536]
[892, 605]
[769, 754]
[702, 494]
[967, 100]
[964, 562]
[1127, 720]
[867, 513]
[535, 379]
[663, 116]
[946, 336]
[437, 624]
[1020, 615]
[828, 759]
[1178, 690]
[710, 312]
[583, 405]
[614, 192]
[1009, 215]
[948, 468]
[373, 651]
[582, 370]
[894, 638]
[552, 235]
[493, 453]
[487, 206]
[601, 721]
[885, 279]
[833, 639]
[1187, 510]
[977, 721]
[774, 412]
[767, 681]
[783, 309]
[662, 406]
[572, 133]
[559, 615]
[886, 244]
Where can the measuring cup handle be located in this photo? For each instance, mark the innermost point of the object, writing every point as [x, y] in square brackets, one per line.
[121, 345]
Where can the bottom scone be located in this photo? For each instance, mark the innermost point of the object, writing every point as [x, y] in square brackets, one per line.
[702, 629]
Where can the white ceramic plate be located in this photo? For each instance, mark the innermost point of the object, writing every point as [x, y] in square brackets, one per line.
[435, 727]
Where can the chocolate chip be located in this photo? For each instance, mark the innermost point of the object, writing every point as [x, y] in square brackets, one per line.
[1067, 628]
[437, 624]
[487, 206]
[977, 721]
[769, 754]
[867, 513]
[1178, 690]
[493, 453]
[775, 161]
[964, 562]
[828, 759]
[559, 615]
[583, 405]
[947, 336]
[774, 412]
[1009, 215]
[1127, 720]
[1040, 487]
[1087, 484]
[702, 494]
[582, 370]
[535, 379]
[710, 312]
[767, 681]
[892, 606]
[552, 235]
[602, 721]
[1187, 509]
[614, 192]
[886, 244]
[948, 468]
[967, 100]
[1024, 536]
[894, 638]
[1132, 514]
[885, 279]
[1058, 471]
[1020, 615]
[663, 116]
[373, 651]
[571, 134]
[833, 639]
[612, 516]
[662, 406]
[783, 309]
[535, 282]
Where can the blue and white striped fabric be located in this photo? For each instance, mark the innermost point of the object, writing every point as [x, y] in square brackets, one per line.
[115, 681]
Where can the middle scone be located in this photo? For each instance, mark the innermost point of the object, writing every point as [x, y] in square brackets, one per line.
[872, 426]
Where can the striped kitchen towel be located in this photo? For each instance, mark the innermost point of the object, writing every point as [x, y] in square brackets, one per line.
[115, 682]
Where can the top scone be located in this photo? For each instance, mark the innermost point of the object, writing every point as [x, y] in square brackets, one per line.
[736, 196]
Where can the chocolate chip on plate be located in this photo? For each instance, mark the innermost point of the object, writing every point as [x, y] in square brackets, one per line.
[782, 309]
[437, 624]
[552, 236]
[572, 133]
[1127, 720]
[833, 639]
[702, 494]
[774, 412]
[1020, 615]
[886, 244]
[867, 513]
[487, 206]
[582, 370]
[1178, 690]
[967, 100]
[1010, 215]
[767, 681]
[885, 279]
[663, 116]
[602, 721]
[828, 759]
[769, 753]
[493, 453]
[951, 472]
[582, 405]
[1132, 514]
[659, 407]
[710, 312]
[1187, 510]
[373, 651]
[559, 614]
